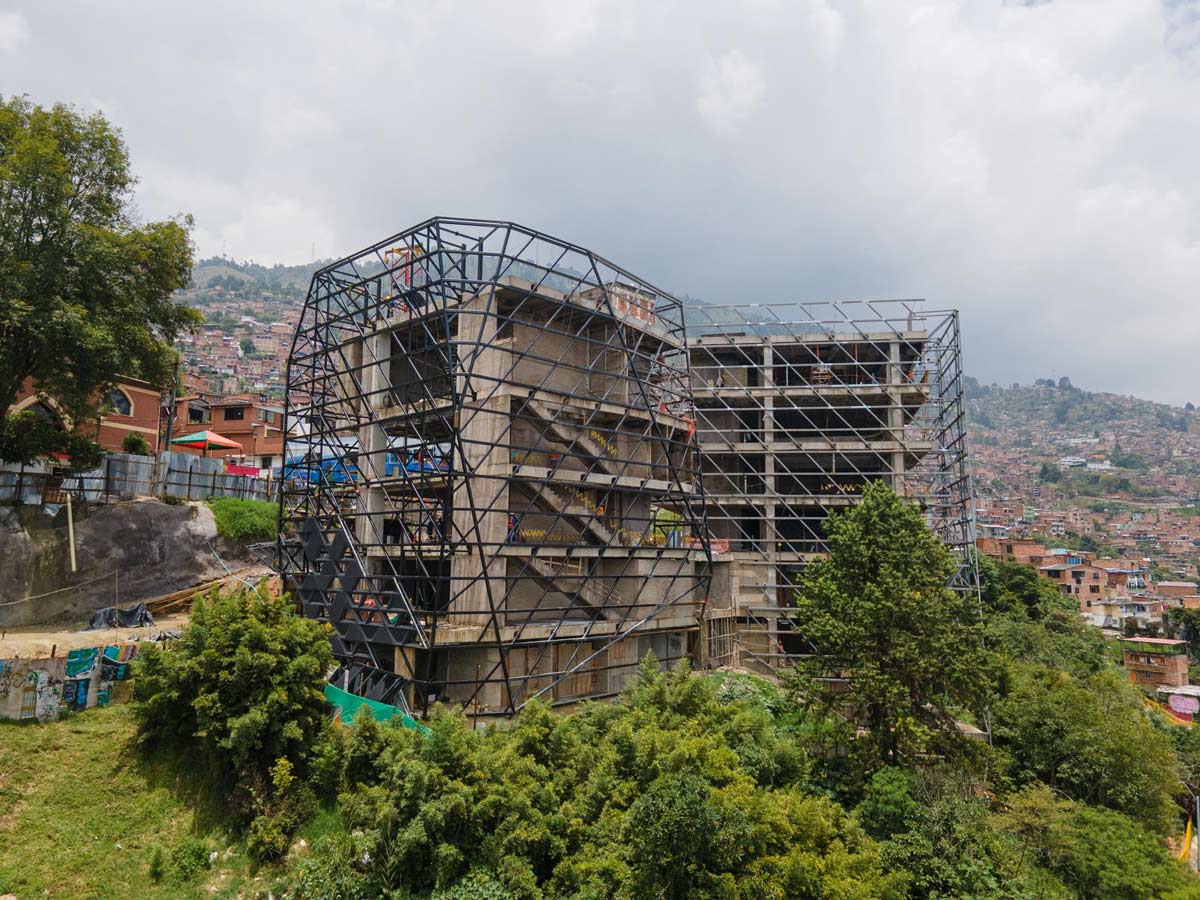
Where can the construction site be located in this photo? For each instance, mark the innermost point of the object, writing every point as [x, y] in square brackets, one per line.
[798, 407]
[515, 468]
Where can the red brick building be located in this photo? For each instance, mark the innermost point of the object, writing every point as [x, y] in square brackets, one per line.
[245, 418]
[1013, 550]
[1154, 662]
[132, 406]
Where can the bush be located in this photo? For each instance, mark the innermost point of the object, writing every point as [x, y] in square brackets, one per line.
[1089, 738]
[477, 885]
[158, 865]
[136, 444]
[281, 810]
[670, 792]
[245, 520]
[242, 689]
[328, 873]
[188, 859]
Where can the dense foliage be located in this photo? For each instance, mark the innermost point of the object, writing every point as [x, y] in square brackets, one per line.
[242, 691]
[85, 291]
[719, 785]
[245, 520]
[878, 613]
[26, 436]
[677, 791]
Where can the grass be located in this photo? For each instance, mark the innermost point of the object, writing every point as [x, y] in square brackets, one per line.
[83, 816]
[245, 520]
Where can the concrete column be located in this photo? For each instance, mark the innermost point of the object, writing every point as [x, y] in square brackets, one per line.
[895, 412]
[478, 574]
[372, 441]
[770, 533]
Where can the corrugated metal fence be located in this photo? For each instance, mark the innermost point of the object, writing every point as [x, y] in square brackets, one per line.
[124, 476]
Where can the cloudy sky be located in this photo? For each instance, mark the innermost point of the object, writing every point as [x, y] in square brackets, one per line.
[1034, 164]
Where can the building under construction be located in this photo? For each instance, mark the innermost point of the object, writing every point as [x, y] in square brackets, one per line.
[799, 406]
[494, 473]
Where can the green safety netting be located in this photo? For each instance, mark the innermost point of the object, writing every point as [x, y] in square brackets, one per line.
[346, 706]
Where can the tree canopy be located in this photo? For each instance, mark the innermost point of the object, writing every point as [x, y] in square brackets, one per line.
[86, 291]
[717, 786]
[893, 647]
[242, 690]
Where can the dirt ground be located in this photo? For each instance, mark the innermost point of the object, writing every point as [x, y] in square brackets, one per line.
[39, 641]
[33, 642]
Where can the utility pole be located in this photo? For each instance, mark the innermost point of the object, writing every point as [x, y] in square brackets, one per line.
[170, 406]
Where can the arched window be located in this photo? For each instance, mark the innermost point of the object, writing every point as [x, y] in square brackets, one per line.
[120, 402]
[45, 411]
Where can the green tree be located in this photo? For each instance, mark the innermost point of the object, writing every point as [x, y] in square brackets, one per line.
[136, 444]
[85, 291]
[888, 806]
[949, 852]
[681, 836]
[1124, 460]
[1090, 738]
[1008, 586]
[247, 346]
[1096, 853]
[1186, 624]
[1050, 473]
[895, 648]
[241, 689]
[26, 436]
[678, 789]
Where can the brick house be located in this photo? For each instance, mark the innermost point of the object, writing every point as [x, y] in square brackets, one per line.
[1078, 579]
[1155, 662]
[245, 418]
[1013, 550]
[1175, 588]
[131, 406]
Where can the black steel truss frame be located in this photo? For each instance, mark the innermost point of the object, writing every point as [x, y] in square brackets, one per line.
[798, 406]
[491, 456]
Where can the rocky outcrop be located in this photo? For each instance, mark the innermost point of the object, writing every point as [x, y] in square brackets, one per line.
[124, 552]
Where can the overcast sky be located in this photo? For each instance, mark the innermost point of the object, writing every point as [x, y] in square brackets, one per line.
[1034, 164]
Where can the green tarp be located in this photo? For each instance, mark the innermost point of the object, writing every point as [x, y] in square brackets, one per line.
[346, 706]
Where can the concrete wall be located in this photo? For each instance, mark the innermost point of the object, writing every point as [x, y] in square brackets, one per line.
[42, 688]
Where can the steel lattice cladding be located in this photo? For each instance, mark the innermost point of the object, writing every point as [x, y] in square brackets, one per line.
[798, 406]
[492, 476]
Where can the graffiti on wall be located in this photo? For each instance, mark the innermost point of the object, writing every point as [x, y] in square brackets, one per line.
[115, 665]
[41, 688]
[81, 662]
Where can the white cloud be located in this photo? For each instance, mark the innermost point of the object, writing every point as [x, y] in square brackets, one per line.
[1182, 35]
[730, 91]
[14, 31]
[1034, 165]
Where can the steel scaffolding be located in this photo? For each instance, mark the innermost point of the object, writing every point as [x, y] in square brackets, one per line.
[798, 407]
[492, 478]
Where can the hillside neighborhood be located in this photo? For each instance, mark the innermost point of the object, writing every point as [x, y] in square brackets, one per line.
[641, 535]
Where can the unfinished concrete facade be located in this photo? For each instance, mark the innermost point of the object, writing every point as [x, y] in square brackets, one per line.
[494, 496]
[798, 407]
